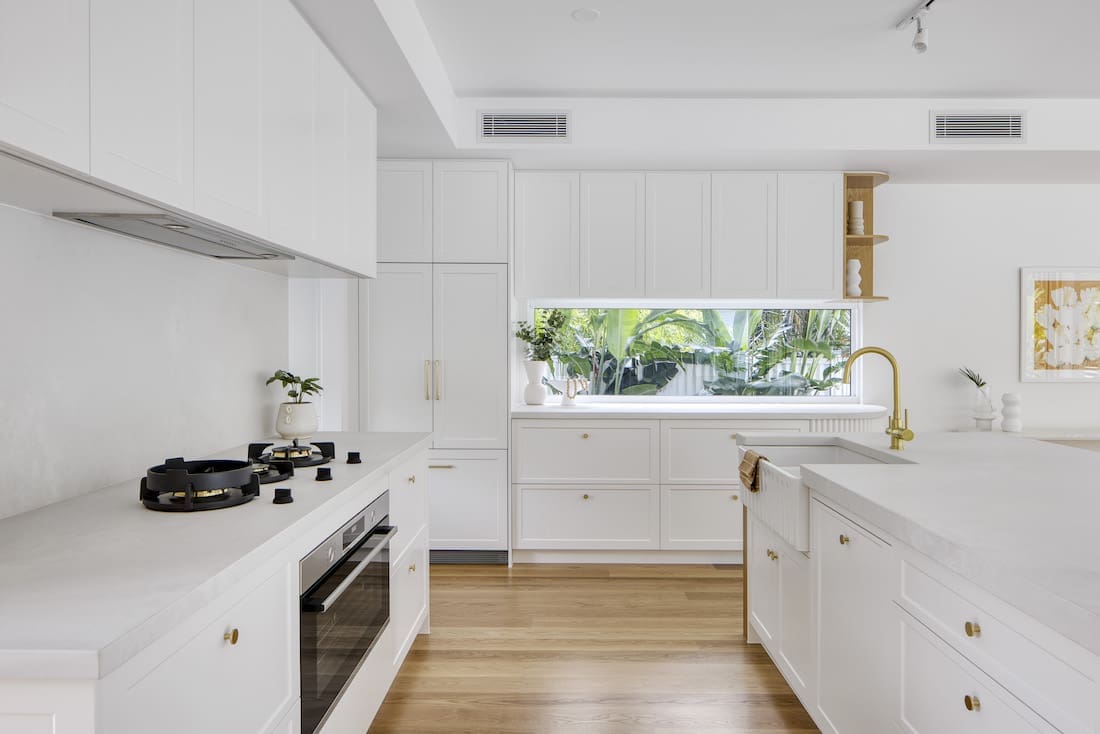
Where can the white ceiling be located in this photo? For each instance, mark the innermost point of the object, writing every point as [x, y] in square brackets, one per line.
[795, 48]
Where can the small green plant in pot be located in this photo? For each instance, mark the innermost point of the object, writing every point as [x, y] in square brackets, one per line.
[542, 337]
[297, 418]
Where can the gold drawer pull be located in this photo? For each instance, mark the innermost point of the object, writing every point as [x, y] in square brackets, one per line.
[412, 479]
[232, 636]
[584, 435]
[735, 497]
[844, 539]
[972, 703]
[412, 568]
[441, 466]
[973, 629]
[585, 497]
[773, 555]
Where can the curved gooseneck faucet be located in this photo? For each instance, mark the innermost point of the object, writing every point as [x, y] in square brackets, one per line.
[897, 430]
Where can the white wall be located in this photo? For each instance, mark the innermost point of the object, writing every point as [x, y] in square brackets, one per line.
[115, 354]
[324, 343]
[951, 270]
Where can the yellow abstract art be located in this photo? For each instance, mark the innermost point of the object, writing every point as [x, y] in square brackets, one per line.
[1065, 318]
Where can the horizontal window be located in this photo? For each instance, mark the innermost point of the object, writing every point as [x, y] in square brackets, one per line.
[702, 352]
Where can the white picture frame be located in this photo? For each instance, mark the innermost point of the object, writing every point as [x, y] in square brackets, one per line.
[1060, 324]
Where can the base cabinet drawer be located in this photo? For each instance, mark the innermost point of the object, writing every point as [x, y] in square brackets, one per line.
[409, 595]
[701, 518]
[585, 452]
[705, 451]
[468, 500]
[942, 694]
[292, 722]
[408, 487]
[599, 518]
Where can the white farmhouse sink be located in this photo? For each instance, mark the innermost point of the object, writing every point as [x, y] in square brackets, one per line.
[783, 501]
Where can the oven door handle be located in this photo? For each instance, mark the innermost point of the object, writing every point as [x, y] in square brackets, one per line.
[308, 605]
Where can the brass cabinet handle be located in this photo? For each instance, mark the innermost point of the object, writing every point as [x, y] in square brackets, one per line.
[844, 539]
[438, 383]
[973, 629]
[412, 479]
[972, 703]
[773, 555]
[441, 466]
[585, 497]
[412, 568]
[735, 497]
[232, 636]
[427, 379]
[584, 435]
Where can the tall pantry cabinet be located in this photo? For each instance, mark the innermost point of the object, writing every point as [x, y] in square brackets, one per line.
[434, 337]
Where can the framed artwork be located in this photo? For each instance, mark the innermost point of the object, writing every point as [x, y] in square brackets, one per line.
[1059, 324]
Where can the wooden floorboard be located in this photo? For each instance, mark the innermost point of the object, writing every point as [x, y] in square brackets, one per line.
[588, 649]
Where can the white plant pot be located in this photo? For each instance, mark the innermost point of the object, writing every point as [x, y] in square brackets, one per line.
[535, 392]
[984, 415]
[296, 420]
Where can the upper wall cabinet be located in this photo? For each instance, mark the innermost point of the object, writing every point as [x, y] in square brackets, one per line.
[44, 79]
[547, 233]
[677, 235]
[612, 238]
[743, 235]
[811, 247]
[470, 202]
[360, 250]
[405, 211]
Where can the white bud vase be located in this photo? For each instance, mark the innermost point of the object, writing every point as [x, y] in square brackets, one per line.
[1012, 412]
[984, 414]
[853, 279]
[296, 420]
[535, 392]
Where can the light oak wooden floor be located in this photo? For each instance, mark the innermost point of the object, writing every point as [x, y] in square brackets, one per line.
[592, 649]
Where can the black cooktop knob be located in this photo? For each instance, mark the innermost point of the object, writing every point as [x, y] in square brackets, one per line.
[282, 496]
[324, 474]
[353, 457]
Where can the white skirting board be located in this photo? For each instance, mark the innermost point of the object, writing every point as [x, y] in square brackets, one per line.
[626, 556]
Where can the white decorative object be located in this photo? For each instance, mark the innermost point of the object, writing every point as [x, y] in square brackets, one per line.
[855, 217]
[984, 415]
[535, 392]
[296, 420]
[1012, 412]
[569, 389]
[853, 279]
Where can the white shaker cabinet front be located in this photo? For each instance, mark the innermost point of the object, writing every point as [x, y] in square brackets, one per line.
[470, 207]
[405, 211]
[677, 235]
[810, 240]
[468, 499]
[547, 234]
[743, 236]
[143, 97]
[44, 79]
[612, 235]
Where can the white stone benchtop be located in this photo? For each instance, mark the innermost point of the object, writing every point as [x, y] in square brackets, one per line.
[702, 411]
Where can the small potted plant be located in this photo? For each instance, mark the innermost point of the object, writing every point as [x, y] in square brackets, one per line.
[297, 418]
[542, 337]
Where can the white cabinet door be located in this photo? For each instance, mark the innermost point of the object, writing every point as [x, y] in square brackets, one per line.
[701, 518]
[547, 232]
[762, 566]
[811, 245]
[470, 357]
[228, 85]
[360, 245]
[705, 451]
[743, 238]
[468, 500]
[677, 235]
[396, 349]
[470, 203]
[408, 488]
[288, 91]
[409, 595]
[44, 78]
[143, 97]
[796, 634]
[330, 163]
[405, 211]
[854, 583]
[586, 518]
[585, 452]
[612, 237]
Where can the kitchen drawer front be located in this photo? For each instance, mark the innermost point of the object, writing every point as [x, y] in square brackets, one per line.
[585, 452]
[244, 687]
[705, 452]
[935, 684]
[468, 500]
[701, 517]
[590, 518]
[408, 487]
[1017, 657]
[409, 595]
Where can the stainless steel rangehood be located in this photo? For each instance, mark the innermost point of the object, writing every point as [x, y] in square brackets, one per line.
[180, 232]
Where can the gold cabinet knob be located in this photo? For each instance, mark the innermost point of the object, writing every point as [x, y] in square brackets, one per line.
[412, 479]
[973, 629]
[735, 497]
[584, 435]
[844, 539]
[232, 636]
[585, 497]
[412, 568]
[733, 436]
[773, 555]
[972, 703]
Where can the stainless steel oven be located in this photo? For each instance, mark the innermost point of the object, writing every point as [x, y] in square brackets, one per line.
[345, 606]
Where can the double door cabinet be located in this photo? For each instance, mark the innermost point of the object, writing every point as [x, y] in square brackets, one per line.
[874, 637]
[678, 234]
[232, 110]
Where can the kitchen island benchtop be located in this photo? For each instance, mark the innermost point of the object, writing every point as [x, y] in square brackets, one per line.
[1015, 516]
[699, 411]
[88, 583]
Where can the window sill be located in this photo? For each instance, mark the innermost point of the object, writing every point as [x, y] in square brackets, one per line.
[743, 410]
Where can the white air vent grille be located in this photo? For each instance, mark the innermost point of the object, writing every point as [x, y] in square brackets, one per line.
[550, 126]
[978, 127]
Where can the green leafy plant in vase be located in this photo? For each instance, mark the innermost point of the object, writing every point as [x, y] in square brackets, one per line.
[297, 418]
[542, 337]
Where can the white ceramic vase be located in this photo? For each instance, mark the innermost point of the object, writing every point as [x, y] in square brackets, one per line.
[853, 280]
[535, 392]
[1012, 412]
[296, 420]
[984, 415]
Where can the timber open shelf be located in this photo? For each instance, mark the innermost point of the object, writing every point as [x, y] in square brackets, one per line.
[860, 186]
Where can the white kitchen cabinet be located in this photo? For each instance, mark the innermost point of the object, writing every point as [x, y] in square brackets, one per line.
[854, 582]
[810, 240]
[585, 452]
[330, 168]
[677, 235]
[612, 234]
[743, 235]
[470, 212]
[547, 208]
[405, 211]
[228, 112]
[292, 721]
[143, 67]
[359, 252]
[762, 567]
[797, 641]
[586, 517]
[409, 594]
[408, 488]
[468, 500]
[701, 517]
[705, 451]
[44, 79]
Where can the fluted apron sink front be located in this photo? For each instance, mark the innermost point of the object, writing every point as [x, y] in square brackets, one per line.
[782, 501]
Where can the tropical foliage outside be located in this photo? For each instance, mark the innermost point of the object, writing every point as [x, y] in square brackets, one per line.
[745, 352]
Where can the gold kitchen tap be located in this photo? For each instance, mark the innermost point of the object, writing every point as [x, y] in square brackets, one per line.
[897, 430]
